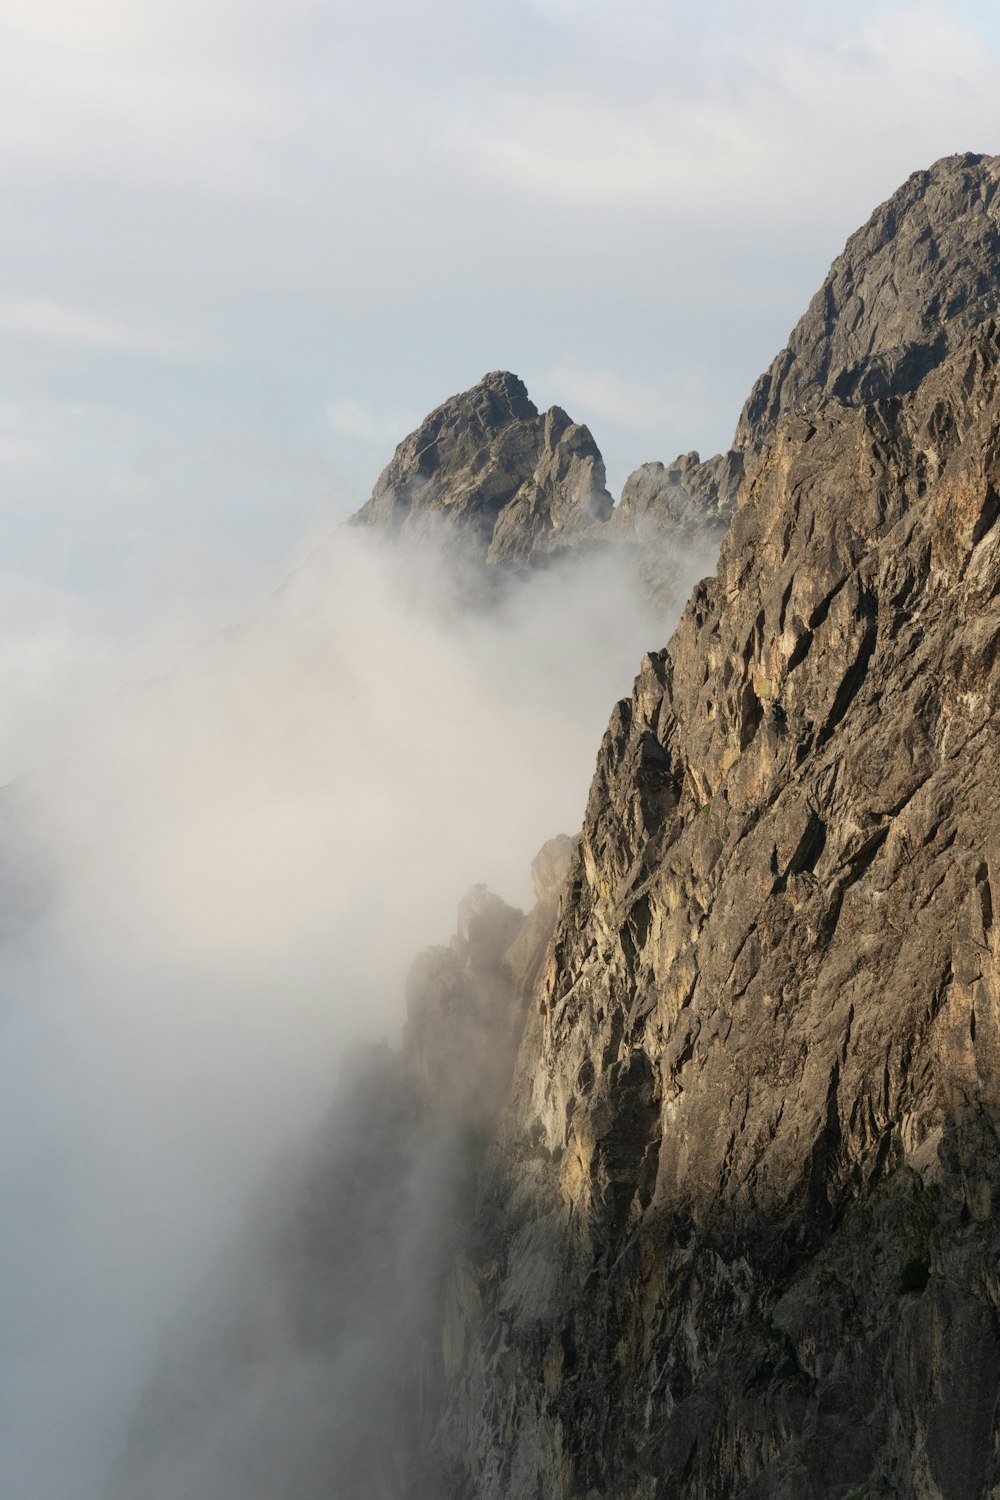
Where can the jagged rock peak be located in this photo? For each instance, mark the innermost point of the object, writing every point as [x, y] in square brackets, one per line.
[691, 498]
[517, 482]
[908, 289]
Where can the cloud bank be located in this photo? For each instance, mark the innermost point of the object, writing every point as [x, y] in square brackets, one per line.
[223, 885]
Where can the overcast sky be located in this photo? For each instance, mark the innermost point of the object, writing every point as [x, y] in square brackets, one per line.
[247, 244]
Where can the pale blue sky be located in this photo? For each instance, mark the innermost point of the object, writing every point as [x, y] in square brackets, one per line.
[248, 243]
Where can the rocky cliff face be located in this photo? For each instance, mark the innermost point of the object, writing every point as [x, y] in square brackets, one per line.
[738, 1235]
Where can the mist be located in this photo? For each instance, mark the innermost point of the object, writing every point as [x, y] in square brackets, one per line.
[220, 887]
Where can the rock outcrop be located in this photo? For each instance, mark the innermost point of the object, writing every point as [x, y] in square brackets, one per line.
[514, 486]
[684, 498]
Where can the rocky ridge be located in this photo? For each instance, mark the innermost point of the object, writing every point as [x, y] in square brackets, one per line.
[517, 487]
[908, 289]
[512, 482]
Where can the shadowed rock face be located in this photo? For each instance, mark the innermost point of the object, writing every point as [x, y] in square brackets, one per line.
[909, 288]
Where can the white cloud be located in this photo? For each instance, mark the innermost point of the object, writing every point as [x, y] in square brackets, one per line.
[19, 448]
[248, 854]
[48, 681]
[744, 119]
[175, 95]
[98, 26]
[130, 28]
[44, 318]
[354, 419]
[594, 394]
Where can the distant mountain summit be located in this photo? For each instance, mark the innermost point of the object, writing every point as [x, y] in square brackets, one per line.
[516, 482]
[517, 486]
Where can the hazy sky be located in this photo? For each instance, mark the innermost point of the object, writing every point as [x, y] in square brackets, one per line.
[248, 243]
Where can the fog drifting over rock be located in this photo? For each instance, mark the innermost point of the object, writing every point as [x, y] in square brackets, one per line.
[227, 883]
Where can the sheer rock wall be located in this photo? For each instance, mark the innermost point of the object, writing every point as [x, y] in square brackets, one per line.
[738, 1235]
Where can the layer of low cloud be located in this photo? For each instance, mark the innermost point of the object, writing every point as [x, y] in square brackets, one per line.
[41, 318]
[222, 885]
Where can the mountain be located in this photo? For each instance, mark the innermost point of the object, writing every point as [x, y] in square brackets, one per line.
[724, 1218]
[516, 483]
[909, 288]
[520, 487]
